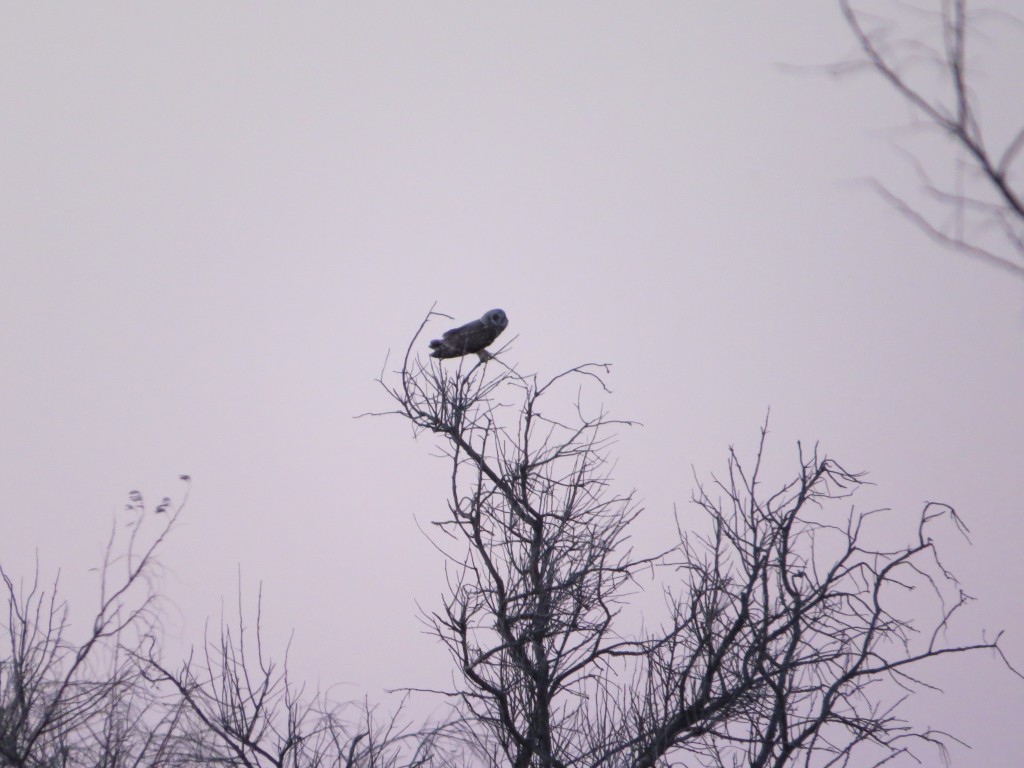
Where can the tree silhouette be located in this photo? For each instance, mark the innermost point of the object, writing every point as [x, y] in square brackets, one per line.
[786, 636]
[106, 699]
[240, 707]
[782, 642]
[69, 701]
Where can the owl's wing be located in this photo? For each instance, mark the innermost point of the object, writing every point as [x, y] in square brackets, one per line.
[473, 337]
[467, 329]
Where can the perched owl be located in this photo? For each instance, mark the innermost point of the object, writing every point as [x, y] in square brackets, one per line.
[471, 337]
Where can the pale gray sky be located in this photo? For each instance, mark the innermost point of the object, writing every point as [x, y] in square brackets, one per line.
[216, 219]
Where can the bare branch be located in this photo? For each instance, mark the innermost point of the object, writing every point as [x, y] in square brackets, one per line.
[997, 204]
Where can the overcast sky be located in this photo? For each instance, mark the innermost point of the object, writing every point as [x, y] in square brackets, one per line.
[217, 218]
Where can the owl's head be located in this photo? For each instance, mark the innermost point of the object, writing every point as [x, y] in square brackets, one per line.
[496, 318]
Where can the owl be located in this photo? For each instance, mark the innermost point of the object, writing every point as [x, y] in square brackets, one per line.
[471, 337]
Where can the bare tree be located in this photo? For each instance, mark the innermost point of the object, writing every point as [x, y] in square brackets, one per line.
[978, 209]
[107, 700]
[789, 635]
[534, 595]
[781, 631]
[241, 708]
[67, 700]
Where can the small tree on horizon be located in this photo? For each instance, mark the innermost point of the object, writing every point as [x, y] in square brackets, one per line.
[75, 698]
[104, 696]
